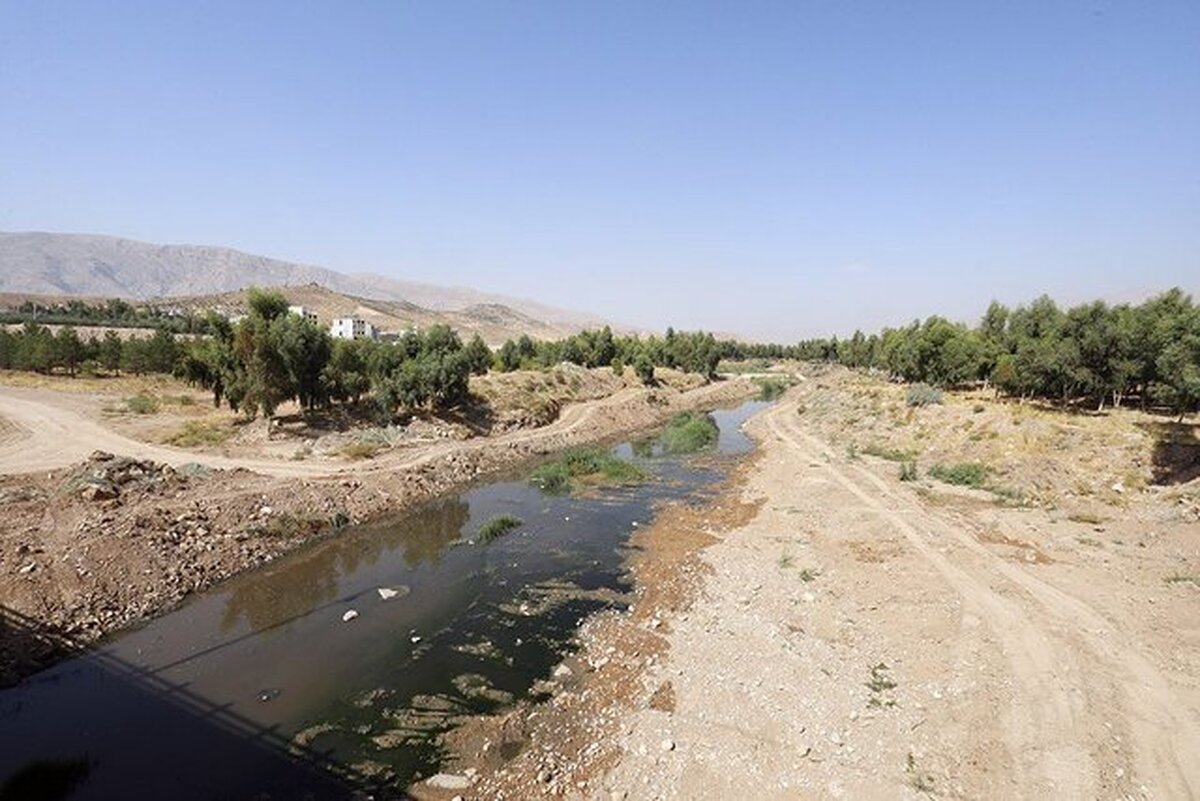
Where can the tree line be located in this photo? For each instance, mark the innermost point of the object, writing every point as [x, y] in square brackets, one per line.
[693, 352]
[1092, 353]
[113, 313]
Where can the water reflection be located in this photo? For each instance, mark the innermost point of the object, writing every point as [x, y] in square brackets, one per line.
[298, 586]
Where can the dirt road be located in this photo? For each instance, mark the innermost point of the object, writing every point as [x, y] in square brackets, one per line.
[861, 637]
[39, 431]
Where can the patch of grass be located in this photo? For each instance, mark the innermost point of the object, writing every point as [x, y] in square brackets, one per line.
[852, 452]
[978, 408]
[1008, 496]
[963, 474]
[808, 574]
[142, 403]
[785, 561]
[1090, 518]
[891, 454]
[689, 432]
[908, 471]
[594, 464]
[497, 527]
[922, 395]
[362, 449]
[198, 433]
[1090, 541]
[185, 400]
[771, 388]
[1183, 578]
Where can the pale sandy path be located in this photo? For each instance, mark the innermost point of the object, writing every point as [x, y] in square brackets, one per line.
[1043, 628]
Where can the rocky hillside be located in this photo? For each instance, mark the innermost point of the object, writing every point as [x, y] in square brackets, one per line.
[107, 266]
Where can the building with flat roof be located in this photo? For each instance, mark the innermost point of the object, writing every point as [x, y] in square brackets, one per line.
[352, 328]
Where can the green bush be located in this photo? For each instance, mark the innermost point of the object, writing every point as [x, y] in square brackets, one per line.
[195, 433]
[964, 474]
[771, 388]
[497, 527]
[922, 395]
[142, 404]
[597, 464]
[689, 432]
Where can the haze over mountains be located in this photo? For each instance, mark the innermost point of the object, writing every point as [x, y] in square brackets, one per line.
[109, 266]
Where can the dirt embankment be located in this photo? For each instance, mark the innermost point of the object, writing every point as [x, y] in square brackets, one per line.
[91, 548]
[827, 630]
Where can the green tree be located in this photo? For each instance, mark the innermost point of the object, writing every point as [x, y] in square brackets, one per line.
[479, 355]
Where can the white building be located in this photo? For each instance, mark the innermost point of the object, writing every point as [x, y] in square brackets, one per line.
[306, 313]
[352, 328]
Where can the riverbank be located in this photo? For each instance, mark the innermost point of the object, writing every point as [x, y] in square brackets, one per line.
[828, 629]
[91, 549]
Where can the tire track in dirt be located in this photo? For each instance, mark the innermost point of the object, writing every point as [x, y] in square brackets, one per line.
[1044, 730]
[1165, 734]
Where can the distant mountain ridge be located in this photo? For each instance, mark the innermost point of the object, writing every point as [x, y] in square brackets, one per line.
[107, 266]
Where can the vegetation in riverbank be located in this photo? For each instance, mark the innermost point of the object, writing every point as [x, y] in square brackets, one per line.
[965, 474]
[771, 388]
[497, 527]
[593, 465]
[688, 432]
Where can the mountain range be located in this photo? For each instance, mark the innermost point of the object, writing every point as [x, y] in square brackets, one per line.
[96, 265]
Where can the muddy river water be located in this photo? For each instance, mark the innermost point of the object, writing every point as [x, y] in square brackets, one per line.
[302, 680]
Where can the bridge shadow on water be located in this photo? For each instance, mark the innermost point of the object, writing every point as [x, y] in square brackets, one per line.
[142, 736]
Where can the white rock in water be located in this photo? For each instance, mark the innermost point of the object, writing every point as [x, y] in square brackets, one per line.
[386, 593]
[448, 781]
[415, 639]
[349, 615]
[562, 670]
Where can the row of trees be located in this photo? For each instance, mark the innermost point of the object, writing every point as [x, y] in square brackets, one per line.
[693, 352]
[114, 313]
[271, 356]
[36, 348]
[1093, 352]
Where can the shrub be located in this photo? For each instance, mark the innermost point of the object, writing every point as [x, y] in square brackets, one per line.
[689, 432]
[362, 449]
[922, 395]
[196, 433]
[497, 527]
[558, 475]
[891, 454]
[644, 369]
[964, 474]
[771, 388]
[142, 404]
[908, 471]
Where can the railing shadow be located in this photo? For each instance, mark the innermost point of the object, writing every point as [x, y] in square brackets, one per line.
[181, 745]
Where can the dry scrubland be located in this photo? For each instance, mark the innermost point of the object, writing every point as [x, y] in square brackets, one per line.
[190, 495]
[827, 630]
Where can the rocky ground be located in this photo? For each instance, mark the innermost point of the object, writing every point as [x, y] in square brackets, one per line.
[827, 630]
[90, 548]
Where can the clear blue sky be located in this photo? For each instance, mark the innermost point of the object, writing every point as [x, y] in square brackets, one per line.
[778, 169]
